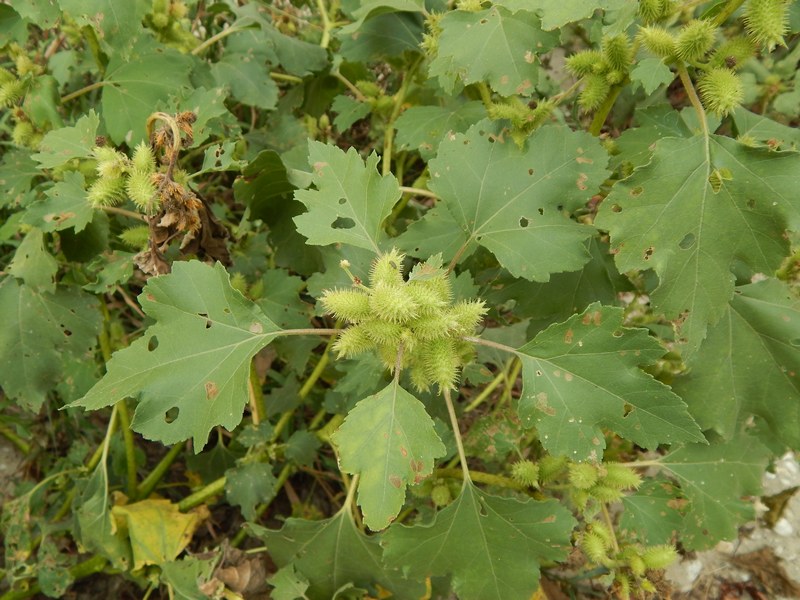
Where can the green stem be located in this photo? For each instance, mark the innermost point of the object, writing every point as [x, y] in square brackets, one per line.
[602, 113]
[349, 85]
[486, 94]
[150, 482]
[217, 37]
[730, 8]
[693, 98]
[310, 331]
[610, 525]
[130, 447]
[259, 411]
[486, 392]
[399, 99]
[284, 77]
[84, 90]
[489, 344]
[214, 488]
[481, 477]
[115, 210]
[326, 24]
[12, 437]
[95, 564]
[462, 456]
[418, 192]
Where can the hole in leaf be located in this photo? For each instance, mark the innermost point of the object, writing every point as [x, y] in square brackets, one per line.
[648, 253]
[226, 310]
[616, 208]
[560, 207]
[152, 343]
[171, 414]
[67, 332]
[523, 222]
[751, 203]
[637, 191]
[343, 223]
[541, 211]
[618, 333]
[342, 200]
[530, 171]
[687, 241]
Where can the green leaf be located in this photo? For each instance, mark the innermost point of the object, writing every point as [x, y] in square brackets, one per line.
[249, 485]
[66, 143]
[749, 365]
[389, 439]
[386, 35]
[492, 547]
[490, 45]
[66, 206]
[350, 202]
[17, 173]
[583, 375]
[287, 584]
[715, 479]
[751, 127]
[557, 13]
[248, 78]
[697, 207]
[45, 330]
[94, 525]
[186, 575]
[117, 22]
[654, 122]
[421, 128]
[135, 84]
[263, 182]
[45, 13]
[349, 110]
[332, 553]
[281, 300]
[34, 264]
[514, 201]
[372, 8]
[650, 513]
[652, 73]
[195, 360]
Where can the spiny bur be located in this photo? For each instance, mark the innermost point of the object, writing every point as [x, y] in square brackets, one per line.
[695, 39]
[767, 21]
[409, 324]
[721, 90]
[526, 472]
[582, 475]
[659, 41]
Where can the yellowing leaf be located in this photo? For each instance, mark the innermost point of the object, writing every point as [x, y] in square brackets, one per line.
[158, 531]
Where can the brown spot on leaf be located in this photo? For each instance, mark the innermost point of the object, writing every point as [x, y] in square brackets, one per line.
[256, 327]
[396, 481]
[403, 451]
[584, 161]
[211, 390]
[529, 57]
[543, 405]
[581, 182]
[416, 465]
[568, 336]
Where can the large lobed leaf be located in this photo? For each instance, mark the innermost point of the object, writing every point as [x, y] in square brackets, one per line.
[516, 202]
[749, 364]
[332, 554]
[194, 361]
[42, 334]
[492, 45]
[350, 202]
[492, 547]
[583, 375]
[701, 204]
[389, 439]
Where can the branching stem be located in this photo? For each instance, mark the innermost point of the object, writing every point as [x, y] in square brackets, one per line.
[693, 98]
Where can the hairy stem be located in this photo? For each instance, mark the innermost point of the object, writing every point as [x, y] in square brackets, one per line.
[399, 99]
[124, 417]
[150, 482]
[480, 477]
[693, 98]
[326, 24]
[84, 90]
[462, 456]
[489, 344]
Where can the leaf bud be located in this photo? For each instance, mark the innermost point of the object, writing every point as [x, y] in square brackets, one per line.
[659, 557]
[620, 477]
[617, 52]
[767, 21]
[348, 305]
[595, 91]
[352, 342]
[658, 41]
[583, 63]
[441, 496]
[387, 268]
[392, 303]
[721, 90]
[582, 475]
[525, 472]
[695, 39]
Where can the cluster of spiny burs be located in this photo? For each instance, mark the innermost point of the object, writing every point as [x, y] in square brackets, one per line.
[412, 324]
